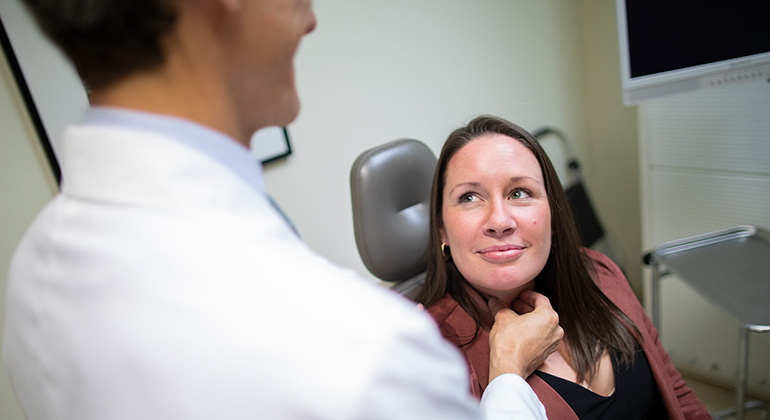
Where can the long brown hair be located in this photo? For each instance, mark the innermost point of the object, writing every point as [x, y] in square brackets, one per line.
[592, 323]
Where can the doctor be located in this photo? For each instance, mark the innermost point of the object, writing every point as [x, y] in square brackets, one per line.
[161, 284]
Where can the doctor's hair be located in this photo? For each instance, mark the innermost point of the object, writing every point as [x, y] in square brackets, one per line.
[592, 323]
[107, 40]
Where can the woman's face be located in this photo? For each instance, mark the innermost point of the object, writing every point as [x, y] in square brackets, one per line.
[496, 216]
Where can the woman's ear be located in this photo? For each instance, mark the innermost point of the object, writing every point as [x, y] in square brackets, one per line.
[442, 234]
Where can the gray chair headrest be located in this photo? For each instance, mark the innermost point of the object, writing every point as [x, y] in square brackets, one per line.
[390, 188]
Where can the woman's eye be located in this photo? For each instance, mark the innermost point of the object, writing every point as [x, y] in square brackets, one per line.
[518, 194]
[467, 198]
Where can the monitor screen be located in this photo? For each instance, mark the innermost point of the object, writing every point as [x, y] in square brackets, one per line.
[669, 46]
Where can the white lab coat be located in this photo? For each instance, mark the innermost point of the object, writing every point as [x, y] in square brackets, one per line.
[159, 285]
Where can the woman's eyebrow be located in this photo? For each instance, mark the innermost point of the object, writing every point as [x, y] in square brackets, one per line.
[475, 184]
[519, 178]
[464, 184]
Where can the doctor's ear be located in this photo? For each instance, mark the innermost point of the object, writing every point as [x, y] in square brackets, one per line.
[215, 8]
[218, 14]
[228, 5]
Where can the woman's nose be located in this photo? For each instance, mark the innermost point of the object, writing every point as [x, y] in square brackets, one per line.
[500, 220]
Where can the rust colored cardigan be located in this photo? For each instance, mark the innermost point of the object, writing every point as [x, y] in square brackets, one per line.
[679, 399]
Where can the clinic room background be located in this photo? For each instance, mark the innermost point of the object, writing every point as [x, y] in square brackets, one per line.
[373, 72]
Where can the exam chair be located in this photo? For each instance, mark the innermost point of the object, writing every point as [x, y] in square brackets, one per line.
[390, 189]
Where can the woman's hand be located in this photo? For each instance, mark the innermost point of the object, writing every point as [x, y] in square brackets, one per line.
[520, 343]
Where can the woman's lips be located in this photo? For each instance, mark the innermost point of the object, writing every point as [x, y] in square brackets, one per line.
[501, 252]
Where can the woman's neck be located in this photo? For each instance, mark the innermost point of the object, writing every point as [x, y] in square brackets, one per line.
[479, 301]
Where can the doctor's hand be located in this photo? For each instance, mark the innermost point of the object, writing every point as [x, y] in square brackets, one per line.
[520, 343]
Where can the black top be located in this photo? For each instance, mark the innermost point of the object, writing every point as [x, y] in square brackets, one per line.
[636, 395]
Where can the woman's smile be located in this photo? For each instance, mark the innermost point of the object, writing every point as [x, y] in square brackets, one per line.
[501, 254]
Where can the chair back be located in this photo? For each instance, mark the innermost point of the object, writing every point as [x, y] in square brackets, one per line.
[390, 190]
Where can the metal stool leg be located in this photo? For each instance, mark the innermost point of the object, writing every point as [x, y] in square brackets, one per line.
[655, 298]
[741, 406]
[743, 373]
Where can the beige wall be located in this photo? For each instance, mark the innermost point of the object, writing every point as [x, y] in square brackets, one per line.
[612, 146]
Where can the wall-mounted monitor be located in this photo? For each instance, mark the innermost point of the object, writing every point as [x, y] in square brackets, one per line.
[673, 46]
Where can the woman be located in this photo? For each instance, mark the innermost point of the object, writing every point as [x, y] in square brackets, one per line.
[501, 226]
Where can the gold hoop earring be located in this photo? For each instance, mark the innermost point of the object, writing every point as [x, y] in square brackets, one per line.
[443, 250]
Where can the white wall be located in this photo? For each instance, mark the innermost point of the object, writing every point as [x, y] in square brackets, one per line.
[377, 71]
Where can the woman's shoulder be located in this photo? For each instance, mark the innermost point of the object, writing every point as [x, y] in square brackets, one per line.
[608, 276]
[598, 258]
[443, 309]
[601, 264]
[455, 324]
